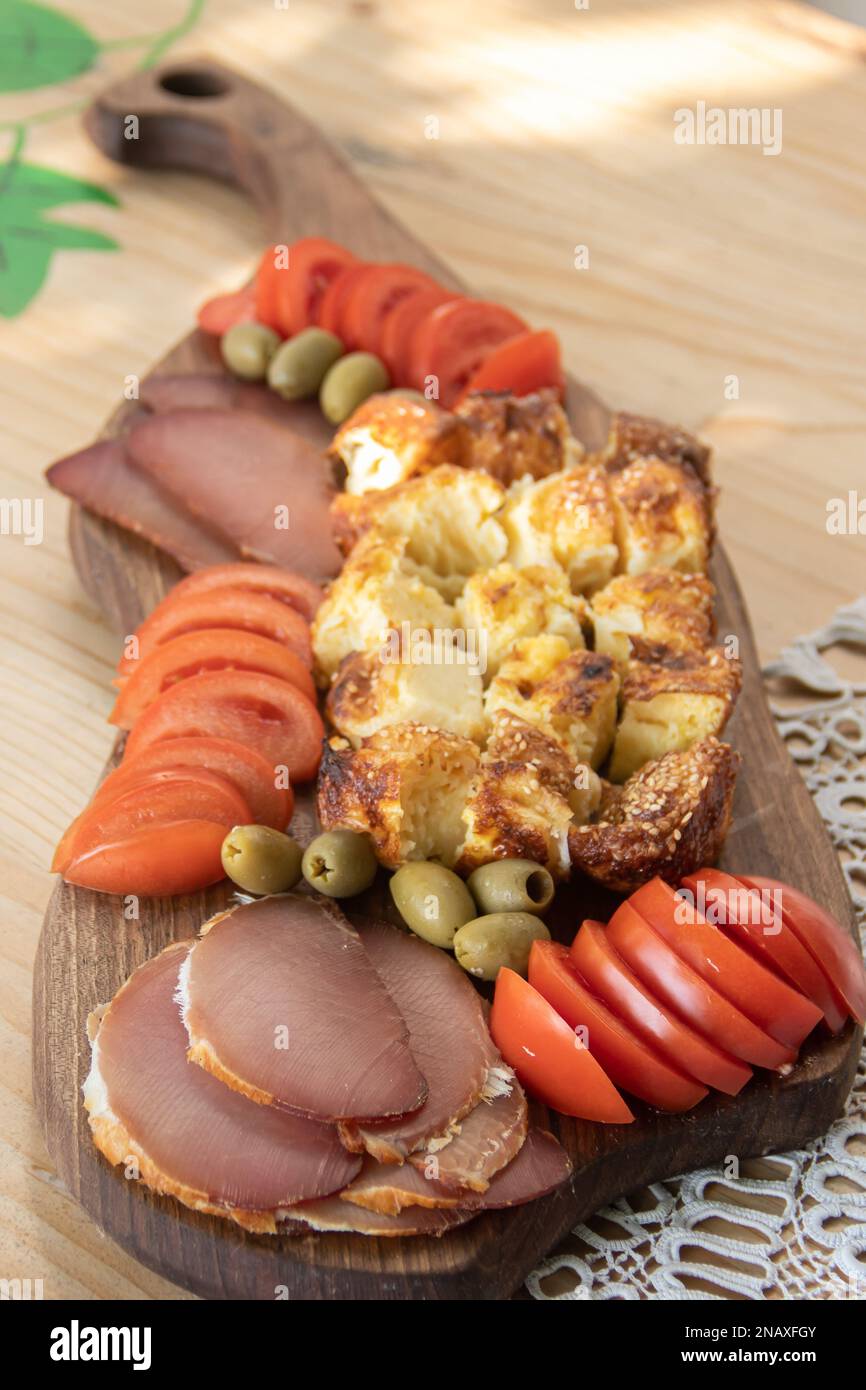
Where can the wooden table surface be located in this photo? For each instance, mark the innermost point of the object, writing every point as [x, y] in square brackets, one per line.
[555, 131]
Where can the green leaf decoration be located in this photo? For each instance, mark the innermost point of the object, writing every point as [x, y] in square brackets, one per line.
[40, 46]
[28, 240]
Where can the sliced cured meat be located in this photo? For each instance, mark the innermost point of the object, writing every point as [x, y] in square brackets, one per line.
[332, 1214]
[282, 1003]
[482, 1142]
[540, 1167]
[259, 485]
[219, 391]
[447, 1034]
[271, 580]
[194, 1138]
[102, 479]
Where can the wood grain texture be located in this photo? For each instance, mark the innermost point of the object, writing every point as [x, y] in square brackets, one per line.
[87, 949]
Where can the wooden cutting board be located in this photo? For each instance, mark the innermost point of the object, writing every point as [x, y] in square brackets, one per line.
[208, 119]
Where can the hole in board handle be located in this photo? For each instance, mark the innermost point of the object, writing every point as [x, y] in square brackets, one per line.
[193, 82]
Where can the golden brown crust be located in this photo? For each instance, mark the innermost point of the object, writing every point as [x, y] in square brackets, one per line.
[668, 819]
[410, 435]
[653, 612]
[574, 703]
[369, 694]
[512, 436]
[640, 436]
[662, 517]
[564, 519]
[708, 672]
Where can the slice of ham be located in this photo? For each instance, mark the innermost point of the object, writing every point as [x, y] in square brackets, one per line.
[447, 1034]
[192, 1137]
[482, 1143]
[261, 486]
[103, 480]
[332, 1214]
[540, 1167]
[212, 391]
[282, 1003]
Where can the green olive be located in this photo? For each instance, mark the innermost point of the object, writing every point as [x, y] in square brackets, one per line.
[512, 885]
[298, 367]
[432, 900]
[261, 860]
[247, 348]
[339, 863]
[348, 384]
[487, 944]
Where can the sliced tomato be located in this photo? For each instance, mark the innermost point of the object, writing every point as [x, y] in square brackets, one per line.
[156, 861]
[212, 649]
[548, 1057]
[763, 997]
[155, 797]
[221, 313]
[399, 327]
[629, 1062]
[741, 914]
[450, 344]
[529, 362]
[616, 984]
[682, 989]
[313, 263]
[332, 306]
[372, 298]
[219, 608]
[824, 937]
[262, 712]
[266, 286]
[247, 770]
[299, 593]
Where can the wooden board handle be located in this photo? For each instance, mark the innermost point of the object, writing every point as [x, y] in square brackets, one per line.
[200, 116]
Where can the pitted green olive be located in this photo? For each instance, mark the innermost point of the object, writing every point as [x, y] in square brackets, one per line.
[500, 939]
[432, 900]
[339, 863]
[300, 365]
[247, 348]
[261, 860]
[348, 384]
[512, 885]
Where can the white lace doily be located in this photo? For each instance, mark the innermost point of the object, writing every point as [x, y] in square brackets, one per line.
[793, 1225]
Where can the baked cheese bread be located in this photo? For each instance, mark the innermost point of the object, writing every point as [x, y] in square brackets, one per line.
[571, 696]
[661, 609]
[660, 516]
[511, 436]
[670, 704]
[436, 685]
[565, 519]
[504, 604]
[390, 438]
[632, 437]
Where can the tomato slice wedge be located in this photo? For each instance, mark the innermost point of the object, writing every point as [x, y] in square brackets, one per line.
[450, 344]
[824, 938]
[155, 861]
[185, 794]
[763, 997]
[629, 1062]
[212, 649]
[372, 298]
[221, 313]
[299, 593]
[548, 1057]
[332, 306]
[616, 984]
[682, 989]
[741, 914]
[247, 770]
[529, 362]
[313, 263]
[262, 712]
[219, 608]
[399, 326]
[266, 286]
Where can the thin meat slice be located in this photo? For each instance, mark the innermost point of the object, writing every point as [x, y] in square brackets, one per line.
[332, 1214]
[212, 391]
[259, 485]
[192, 1137]
[102, 479]
[282, 1003]
[484, 1141]
[447, 1034]
[540, 1167]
